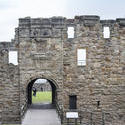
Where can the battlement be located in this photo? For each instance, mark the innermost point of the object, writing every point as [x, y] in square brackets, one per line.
[4, 45]
[54, 27]
[8, 45]
[87, 20]
[83, 59]
[27, 21]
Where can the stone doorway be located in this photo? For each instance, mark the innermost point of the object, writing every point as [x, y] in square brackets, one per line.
[53, 96]
[41, 114]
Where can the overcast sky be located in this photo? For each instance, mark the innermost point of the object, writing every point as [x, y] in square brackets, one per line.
[11, 10]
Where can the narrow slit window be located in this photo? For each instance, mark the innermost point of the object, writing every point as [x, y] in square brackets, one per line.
[13, 57]
[73, 102]
[81, 57]
[70, 32]
[106, 32]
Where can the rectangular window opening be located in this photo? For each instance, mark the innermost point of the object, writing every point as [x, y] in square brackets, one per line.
[70, 32]
[73, 102]
[13, 57]
[81, 57]
[106, 32]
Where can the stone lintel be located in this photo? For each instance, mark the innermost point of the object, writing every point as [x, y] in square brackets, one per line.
[70, 21]
[41, 56]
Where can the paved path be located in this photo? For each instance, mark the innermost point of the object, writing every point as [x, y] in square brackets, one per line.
[41, 115]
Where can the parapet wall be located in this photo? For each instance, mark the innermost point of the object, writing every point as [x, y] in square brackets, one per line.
[44, 50]
[56, 27]
[56, 21]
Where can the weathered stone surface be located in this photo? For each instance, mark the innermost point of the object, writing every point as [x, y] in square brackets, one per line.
[44, 51]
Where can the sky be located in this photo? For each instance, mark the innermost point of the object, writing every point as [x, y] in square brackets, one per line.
[12, 10]
[41, 81]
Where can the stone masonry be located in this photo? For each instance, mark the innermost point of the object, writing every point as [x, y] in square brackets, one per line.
[45, 51]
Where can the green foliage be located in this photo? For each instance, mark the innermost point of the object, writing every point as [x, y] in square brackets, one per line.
[42, 97]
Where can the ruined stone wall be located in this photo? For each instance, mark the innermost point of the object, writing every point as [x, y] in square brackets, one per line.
[102, 79]
[3, 60]
[44, 51]
[9, 101]
[40, 53]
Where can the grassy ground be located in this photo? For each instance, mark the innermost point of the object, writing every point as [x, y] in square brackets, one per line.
[42, 97]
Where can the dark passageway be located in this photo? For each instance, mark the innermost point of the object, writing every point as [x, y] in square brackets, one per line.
[41, 105]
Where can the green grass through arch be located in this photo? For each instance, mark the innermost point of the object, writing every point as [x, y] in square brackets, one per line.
[42, 97]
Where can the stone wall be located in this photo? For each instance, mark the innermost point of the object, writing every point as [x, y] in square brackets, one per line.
[40, 54]
[102, 79]
[3, 59]
[10, 105]
[44, 51]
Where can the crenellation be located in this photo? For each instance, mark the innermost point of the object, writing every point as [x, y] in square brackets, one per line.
[88, 17]
[58, 20]
[88, 20]
[45, 51]
[107, 22]
[121, 21]
[70, 21]
[23, 21]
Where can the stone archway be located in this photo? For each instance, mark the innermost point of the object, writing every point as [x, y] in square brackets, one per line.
[29, 90]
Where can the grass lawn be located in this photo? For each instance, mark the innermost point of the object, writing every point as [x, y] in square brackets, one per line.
[42, 97]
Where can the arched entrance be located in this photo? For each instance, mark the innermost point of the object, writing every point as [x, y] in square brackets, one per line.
[41, 113]
[29, 91]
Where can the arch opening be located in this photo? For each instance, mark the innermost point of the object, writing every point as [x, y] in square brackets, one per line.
[41, 85]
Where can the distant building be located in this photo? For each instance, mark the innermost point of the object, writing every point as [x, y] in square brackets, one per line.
[42, 86]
